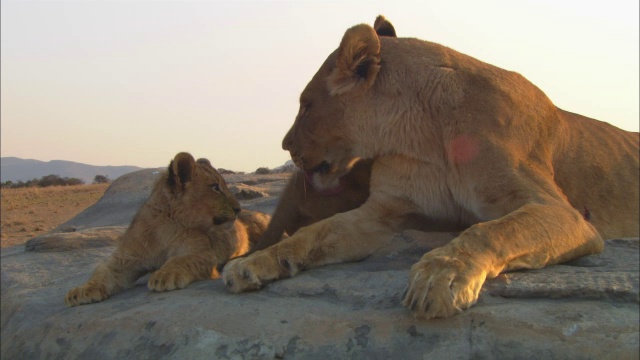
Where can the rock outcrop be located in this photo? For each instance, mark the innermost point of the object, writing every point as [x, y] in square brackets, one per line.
[587, 308]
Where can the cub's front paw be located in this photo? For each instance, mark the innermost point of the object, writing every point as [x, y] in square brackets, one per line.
[254, 271]
[86, 294]
[442, 284]
[169, 279]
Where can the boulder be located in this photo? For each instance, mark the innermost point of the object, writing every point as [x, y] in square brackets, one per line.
[246, 192]
[587, 308]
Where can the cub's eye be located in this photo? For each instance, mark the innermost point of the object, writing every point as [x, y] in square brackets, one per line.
[215, 187]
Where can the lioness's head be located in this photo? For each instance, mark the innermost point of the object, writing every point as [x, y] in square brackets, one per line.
[321, 139]
[198, 195]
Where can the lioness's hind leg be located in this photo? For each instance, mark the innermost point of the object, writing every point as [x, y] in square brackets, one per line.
[180, 271]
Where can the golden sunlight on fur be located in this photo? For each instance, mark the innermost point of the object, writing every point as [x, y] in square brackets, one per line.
[190, 224]
[455, 140]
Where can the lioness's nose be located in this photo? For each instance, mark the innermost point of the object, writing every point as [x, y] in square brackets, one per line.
[287, 142]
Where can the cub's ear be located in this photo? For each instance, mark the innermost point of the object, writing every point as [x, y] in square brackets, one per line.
[358, 61]
[181, 170]
[383, 27]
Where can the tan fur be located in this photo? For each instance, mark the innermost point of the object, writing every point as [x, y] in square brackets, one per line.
[190, 224]
[456, 139]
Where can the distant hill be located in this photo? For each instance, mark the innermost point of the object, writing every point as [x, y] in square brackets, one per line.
[16, 169]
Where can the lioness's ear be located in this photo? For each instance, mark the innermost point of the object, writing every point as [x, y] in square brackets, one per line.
[181, 170]
[205, 162]
[383, 27]
[358, 61]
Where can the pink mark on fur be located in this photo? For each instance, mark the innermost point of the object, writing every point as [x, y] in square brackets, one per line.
[463, 149]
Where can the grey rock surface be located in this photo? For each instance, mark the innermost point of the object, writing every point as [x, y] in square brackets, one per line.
[585, 309]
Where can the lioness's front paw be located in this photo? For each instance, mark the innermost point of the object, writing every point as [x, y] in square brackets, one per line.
[85, 294]
[167, 279]
[253, 272]
[442, 284]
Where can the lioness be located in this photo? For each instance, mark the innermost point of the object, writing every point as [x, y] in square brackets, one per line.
[451, 138]
[183, 231]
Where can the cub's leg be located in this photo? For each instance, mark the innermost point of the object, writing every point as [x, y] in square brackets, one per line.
[119, 272]
[348, 236]
[447, 280]
[181, 270]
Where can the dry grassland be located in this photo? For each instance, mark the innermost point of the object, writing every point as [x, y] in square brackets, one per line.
[30, 212]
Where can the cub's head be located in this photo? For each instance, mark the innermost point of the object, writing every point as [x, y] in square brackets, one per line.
[334, 106]
[197, 194]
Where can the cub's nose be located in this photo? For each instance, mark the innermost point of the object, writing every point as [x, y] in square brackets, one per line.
[237, 209]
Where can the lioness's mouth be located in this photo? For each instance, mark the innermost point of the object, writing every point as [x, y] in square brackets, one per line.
[220, 219]
[324, 179]
[323, 168]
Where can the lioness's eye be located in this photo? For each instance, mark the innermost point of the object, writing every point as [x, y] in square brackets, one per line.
[215, 187]
[304, 107]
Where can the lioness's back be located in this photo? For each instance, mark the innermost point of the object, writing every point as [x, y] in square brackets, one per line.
[596, 164]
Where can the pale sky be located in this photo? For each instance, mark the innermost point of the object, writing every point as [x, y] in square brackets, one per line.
[135, 82]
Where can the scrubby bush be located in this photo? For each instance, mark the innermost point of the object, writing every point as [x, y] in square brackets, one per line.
[263, 171]
[72, 181]
[50, 180]
[56, 180]
[45, 181]
[101, 179]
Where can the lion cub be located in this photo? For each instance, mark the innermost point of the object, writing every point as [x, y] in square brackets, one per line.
[190, 224]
